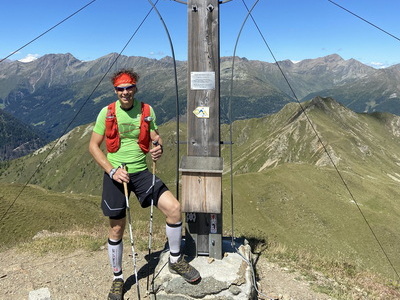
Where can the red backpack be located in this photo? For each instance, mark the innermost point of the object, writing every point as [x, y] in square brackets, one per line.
[113, 139]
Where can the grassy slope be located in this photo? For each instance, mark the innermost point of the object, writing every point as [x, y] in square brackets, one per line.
[315, 213]
[31, 210]
[35, 209]
[308, 206]
[285, 187]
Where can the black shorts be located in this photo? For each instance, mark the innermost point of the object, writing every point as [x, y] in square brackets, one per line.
[113, 201]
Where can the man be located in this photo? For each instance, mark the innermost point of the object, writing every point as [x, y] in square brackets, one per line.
[123, 129]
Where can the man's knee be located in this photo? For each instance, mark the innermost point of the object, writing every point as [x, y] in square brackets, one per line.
[175, 208]
[117, 228]
[170, 206]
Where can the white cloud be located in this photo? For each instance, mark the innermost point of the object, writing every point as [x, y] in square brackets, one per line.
[376, 64]
[158, 53]
[382, 65]
[379, 65]
[29, 58]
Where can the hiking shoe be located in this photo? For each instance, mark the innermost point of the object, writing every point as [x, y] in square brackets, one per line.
[116, 291]
[182, 267]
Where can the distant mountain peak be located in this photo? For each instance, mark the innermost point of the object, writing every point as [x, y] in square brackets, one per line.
[332, 58]
[46, 92]
[323, 102]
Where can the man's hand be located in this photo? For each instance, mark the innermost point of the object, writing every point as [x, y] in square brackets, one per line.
[121, 176]
[156, 151]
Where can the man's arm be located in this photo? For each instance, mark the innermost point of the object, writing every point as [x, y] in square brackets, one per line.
[94, 148]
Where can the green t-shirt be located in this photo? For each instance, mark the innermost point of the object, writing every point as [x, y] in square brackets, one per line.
[129, 129]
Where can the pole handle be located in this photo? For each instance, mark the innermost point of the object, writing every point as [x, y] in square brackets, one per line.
[155, 144]
[123, 166]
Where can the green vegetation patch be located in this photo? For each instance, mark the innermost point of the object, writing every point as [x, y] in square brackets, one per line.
[308, 208]
[62, 243]
[29, 210]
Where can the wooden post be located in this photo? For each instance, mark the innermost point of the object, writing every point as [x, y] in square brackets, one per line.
[202, 167]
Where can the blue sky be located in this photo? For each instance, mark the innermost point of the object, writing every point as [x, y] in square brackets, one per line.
[293, 29]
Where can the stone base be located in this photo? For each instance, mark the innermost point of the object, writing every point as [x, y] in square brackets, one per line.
[228, 278]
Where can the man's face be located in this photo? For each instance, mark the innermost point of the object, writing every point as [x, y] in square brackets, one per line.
[125, 93]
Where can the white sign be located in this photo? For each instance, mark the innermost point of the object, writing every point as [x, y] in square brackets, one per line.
[202, 80]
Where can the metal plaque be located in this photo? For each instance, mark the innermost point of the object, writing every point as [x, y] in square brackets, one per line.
[202, 80]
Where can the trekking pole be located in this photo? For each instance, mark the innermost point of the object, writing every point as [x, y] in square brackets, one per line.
[131, 234]
[155, 143]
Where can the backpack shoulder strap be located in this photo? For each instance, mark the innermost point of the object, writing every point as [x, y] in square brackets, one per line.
[110, 110]
[144, 135]
[112, 133]
[145, 110]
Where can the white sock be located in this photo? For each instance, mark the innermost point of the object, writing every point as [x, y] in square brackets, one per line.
[174, 235]
[115, 249]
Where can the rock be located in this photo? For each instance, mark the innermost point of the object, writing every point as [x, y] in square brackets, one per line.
[229, 278]
[40, 294]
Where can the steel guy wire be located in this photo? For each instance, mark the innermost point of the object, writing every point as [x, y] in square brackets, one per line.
[39, 36]
[176, 95]
[231, 120]
[325, 149]
[77, 113]
[179, 1]
[366, 21]
[231, 156]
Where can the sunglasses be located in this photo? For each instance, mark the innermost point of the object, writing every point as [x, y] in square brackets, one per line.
[125, 88]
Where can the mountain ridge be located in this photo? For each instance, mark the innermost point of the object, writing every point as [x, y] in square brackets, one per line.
[70, 69]
[58, 92]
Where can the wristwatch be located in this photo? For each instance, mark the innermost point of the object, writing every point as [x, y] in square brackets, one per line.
[112, 172]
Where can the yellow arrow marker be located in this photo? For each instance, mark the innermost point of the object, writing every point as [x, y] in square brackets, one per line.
[202, 112]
